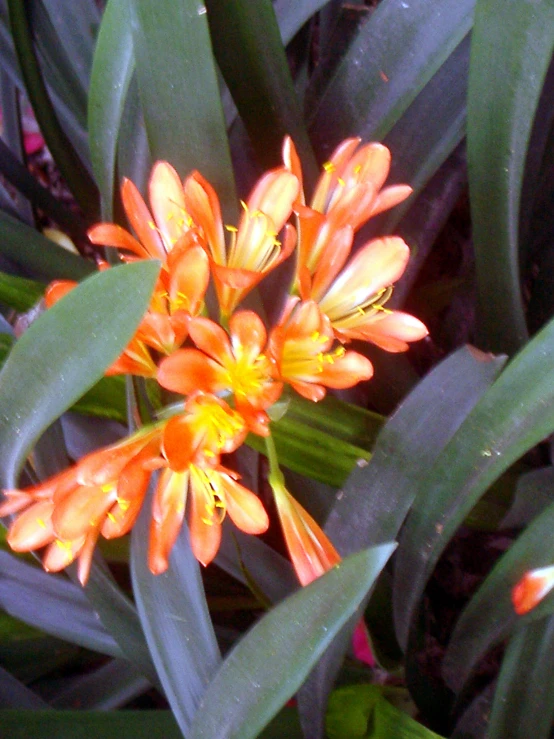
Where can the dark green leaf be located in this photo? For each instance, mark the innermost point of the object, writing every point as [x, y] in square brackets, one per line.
[375, 500]
[110, 77]
[64, 352]
[19, 293]
[291, 15]
[514, 414]
[489, 616]
[257, 73]
[51, 603]
[39, 257]
[396, 53]
[523, 704]
[179, 91]
[106, 399]
[176, 622]
[14, 694]
[511, 41]
[86, 724]
[245, 694]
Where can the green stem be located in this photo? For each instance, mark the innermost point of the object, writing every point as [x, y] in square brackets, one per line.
[275, 478]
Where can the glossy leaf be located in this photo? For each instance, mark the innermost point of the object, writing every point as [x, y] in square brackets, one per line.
[62, 150]
[64, 352]
[375, 500]
[53, 604]
[291, 15]
[510, 40]
[523, 705]
[290, 639]
[257, 73]
[37, 255]
[19, 293]
[396, 53]
[515, 414]
[489, 616]
[176, 622]
[84, 724]
[111, 74]
[108, 687]
[179, 91]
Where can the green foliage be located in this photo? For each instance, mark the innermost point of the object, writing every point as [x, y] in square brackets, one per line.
[215, 87]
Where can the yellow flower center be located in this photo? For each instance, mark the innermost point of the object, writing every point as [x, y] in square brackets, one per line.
[207, 484]
[246, 378]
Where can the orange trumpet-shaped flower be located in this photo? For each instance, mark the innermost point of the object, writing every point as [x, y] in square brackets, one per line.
[227, 363]
[300, 347]
[348, 193]
[101, 494]
[157, 234]
[191, 447]
[354, 299]
[311, 552]
[532, 588]
[254, 250]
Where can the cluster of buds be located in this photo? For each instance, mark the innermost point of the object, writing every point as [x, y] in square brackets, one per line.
[230, 371]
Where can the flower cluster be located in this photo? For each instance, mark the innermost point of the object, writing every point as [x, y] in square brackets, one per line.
[229, 371]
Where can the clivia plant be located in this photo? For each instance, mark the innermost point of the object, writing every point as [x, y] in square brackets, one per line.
[258, 383]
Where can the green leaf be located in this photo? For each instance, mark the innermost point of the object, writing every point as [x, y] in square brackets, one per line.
[52, 604]
[64, 352]
[111, 75]
[71, 167]
[516, 413]
[375, 499]
[257, 73]
[363, 712]
[19, 293]
[523, 704]
[489, 616]
[15, 694]
[84, 724]
[179, 91]
[291, 15]
[396, 53]
[40, 257]
[106, 399]
[511, 40]
[270, 663]
[175, 620]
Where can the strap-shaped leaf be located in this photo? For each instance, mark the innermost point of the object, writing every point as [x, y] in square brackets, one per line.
[395, 54]
[256, 70]
[489, 616]
[111, 74]
[64, 353]
[511, 40]
[39, 257]
[52, 604]
[514, 414]
[523, 704]
[176, 622]
[179, 91]
[14, 694]
[376, 498]
[269, 664]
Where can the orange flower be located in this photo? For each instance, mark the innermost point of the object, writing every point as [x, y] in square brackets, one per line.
[354, 299]
[101, 494]
[232, 363]
[311, 552]
[300, 347]
[348, 193]
[254, 249]
[191, 447]
[532, 588]
[158, 235]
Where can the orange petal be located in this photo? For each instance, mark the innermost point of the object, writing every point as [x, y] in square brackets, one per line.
[248, 334]
[56, 291]
[189, 277]
[531, 589]
[389, 197]
[109, 234]
[346, 371]
[33, 528]
[141, 220]
[205, 529]
[203, 205]
[60, 554]
[167, 200]
[168, 511]
[389, 331]
[244, 508]
[211, 339]
[274, 195]
[310, 550]
[82, 510]
[189, 370]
